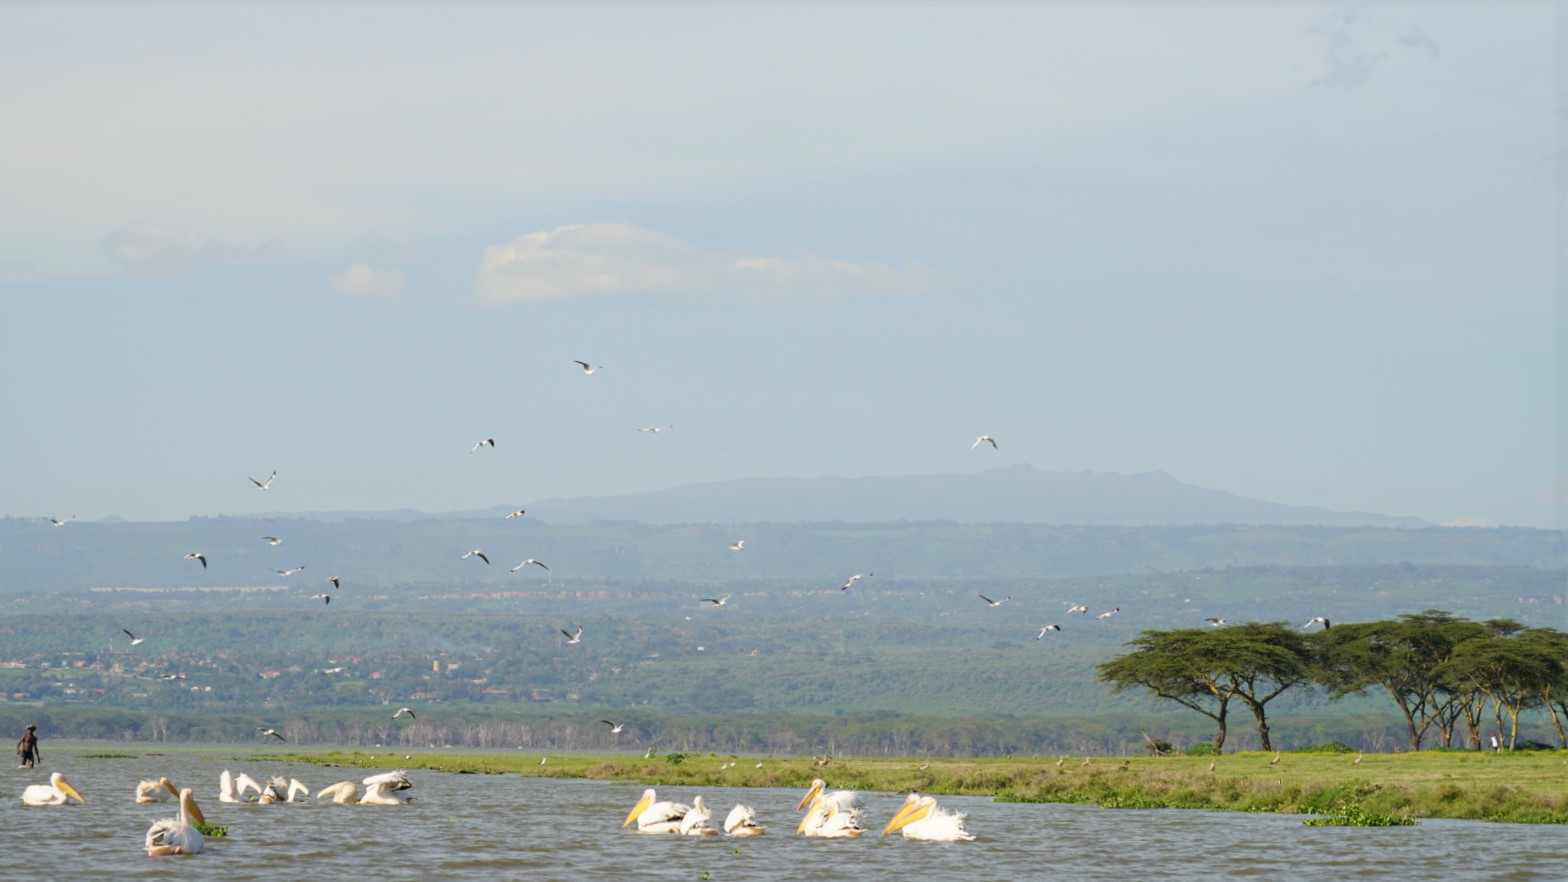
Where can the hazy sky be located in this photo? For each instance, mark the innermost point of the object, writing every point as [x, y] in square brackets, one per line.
[1303, 253]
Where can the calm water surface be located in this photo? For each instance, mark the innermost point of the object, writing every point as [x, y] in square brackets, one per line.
[502, 827]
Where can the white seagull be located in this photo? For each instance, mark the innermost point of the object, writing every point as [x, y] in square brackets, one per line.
[738, 545]
[615, 728]
[853, 579]
[1317, 620]
[1047, 628]
[1077, 608]
[59, 523]
[984, 439]
[573, 638]
[484, 442]
[525, 563]
[196, 555]
[1217, 623]
[717, 601]
[324, 598]
[334, 580]
[516, 514]
[267, 484]
[134, 639]
[403, 711]
[654, 430]
[475, 553]
[994, 603]
[273, 540]
[588, 368]
[1108, 613]
[289, 572]
[273, 732]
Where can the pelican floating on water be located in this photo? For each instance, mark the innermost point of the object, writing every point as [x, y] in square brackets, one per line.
[654, 816]
[232, 788]
[742, 821]
[57, 792]
[342, 792]
[156, 791]
[695, 822]
[922, 818]
[832, 814]
[177, 835]
[390, 788]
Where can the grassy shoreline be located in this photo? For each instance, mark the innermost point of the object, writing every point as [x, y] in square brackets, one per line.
[1526, 787]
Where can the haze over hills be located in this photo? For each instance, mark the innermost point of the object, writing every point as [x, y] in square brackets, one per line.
[1013, 494]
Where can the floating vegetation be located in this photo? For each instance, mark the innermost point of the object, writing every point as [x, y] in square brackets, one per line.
[110, 756]
[210, 830]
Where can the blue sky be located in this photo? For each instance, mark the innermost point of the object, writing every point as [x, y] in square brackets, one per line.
[1301, 253]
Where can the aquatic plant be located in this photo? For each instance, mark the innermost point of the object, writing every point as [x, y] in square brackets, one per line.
[1349, 814]
[210, 830]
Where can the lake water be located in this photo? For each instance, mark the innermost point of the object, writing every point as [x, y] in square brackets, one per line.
[503, 827]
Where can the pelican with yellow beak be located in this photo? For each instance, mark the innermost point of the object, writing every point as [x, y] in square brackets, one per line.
[57, 792]
[655, 816]
[826, 819]
[156, 791]
[177, 835]
[922, 818]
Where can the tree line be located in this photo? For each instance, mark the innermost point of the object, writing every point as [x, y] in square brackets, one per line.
[1450, 678]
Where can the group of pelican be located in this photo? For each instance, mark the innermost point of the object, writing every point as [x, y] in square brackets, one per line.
[830, 814]
[389, 788]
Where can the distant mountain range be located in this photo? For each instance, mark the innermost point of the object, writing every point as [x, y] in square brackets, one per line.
[1014, 494]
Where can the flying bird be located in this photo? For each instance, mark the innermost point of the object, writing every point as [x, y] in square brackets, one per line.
[273, 732]
[654, 430]
[403, 711]
[1218, 623]
[738, 545]
[587, 368]
[515, 514]
[196, 555]
[525, 563]
[334, 580]
[1317, 620]
[324, 598]
[267, 484]
[1108, 613]
[475, 553]
[290, 572]
[615, 728]
[1047, 628]
[273, 540]
[134, 639]
[994, 603]
[573, 638]
[1077, 608]
[485, 442]
[984, 439]
[59, 523]
[717, 601]
[853, 579]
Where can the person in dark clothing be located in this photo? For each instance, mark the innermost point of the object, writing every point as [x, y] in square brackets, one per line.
[27, 752]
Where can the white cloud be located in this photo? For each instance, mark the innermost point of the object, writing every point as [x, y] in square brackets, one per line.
[600, 260]
[149, 249]
[364, 282]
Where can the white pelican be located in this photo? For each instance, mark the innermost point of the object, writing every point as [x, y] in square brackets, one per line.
[267, 484]
[742, 821]
[984, 439]
[274, 791]
[922, 818]
[134, 639]
[59, 523]
[994, 603]
[156, 791]
[738, 545]
[177, 835]
[475, 553]
[273, 732]
[853, 579]
[717, 601]
[525, 563]
[516, 514]
[296, 786]
[343, 791]
[196, 555]
[390, 788]
[572, 639]
[232, 789]
[653, 816]
[829, 821]
[57, 792]
[1317, 620]
[1047, 628]
[695, 822]
[483, 442]
[1108, 613]
[587, 368]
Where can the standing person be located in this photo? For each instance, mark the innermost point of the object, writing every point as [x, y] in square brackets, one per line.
[27, 752]
[1497, 746]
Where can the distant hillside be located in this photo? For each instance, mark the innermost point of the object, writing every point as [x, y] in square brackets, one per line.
[1016, 494]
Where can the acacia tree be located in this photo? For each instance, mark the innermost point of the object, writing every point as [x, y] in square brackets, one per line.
[1515, 672]
[1400, 656]
[1203, 669]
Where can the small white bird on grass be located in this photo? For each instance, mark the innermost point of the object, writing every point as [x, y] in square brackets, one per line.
[526, 563]
[475, 553]
[571, 638]
[984, 439]
[853, 579]
[267, 484]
